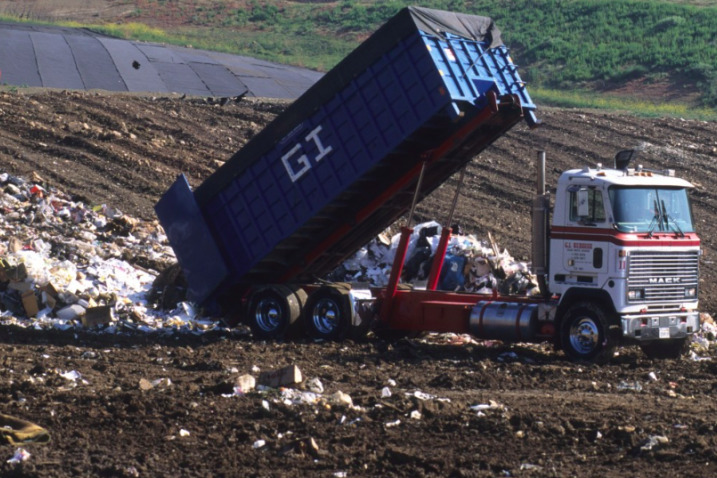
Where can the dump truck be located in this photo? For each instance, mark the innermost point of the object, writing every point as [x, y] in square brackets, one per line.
[410, 107]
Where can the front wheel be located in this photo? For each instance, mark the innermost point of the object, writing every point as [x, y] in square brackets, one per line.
[585, 334]
[665, 349]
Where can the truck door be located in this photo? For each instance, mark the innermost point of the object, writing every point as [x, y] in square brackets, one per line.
[583, 247]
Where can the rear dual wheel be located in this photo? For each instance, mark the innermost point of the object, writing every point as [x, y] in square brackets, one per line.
[279, 311]
[329, 313]
[274, 311]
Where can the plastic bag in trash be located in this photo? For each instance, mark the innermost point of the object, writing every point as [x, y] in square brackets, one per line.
[418, 265]
[452, 277]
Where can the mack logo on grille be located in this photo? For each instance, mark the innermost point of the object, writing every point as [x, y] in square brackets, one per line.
[664, 280]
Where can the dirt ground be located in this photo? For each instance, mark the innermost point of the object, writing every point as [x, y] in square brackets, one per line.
[161, 405]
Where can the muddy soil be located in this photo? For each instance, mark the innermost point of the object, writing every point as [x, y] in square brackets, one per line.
[160, 405]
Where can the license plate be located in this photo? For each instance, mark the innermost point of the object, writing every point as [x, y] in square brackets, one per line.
[664, 332]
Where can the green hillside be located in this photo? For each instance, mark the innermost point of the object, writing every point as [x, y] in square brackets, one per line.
[629, 47]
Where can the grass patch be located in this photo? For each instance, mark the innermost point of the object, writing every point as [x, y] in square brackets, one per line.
[308, 51]
[134, 31]
[591, 100]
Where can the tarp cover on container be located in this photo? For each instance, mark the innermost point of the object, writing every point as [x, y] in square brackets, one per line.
[469, 26]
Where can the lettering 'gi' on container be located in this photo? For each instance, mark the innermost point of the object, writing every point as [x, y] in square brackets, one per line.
[341, 163]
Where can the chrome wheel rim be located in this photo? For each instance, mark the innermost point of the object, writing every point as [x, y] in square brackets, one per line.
[268, 314]
[584, 336]
[325, 316]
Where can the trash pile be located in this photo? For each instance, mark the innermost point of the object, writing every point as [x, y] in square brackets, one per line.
[65, 265]
[470, 265]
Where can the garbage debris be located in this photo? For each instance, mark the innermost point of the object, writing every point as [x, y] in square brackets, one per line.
[392, 424]
[64, 265]
[425, 396]
[491, 405]
[290, 396]
[15, 431]
[285, 376]
[633, 386]
[315, 385]
[20, 455]
[244, 384]
[341, 398]
[653, 441]
[72, 375]
[145, 384]
[470, 265]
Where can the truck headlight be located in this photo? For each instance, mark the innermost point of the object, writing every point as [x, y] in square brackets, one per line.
[635, 294]
[691, 292]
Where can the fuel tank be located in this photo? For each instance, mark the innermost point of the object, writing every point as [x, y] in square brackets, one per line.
[507, 321]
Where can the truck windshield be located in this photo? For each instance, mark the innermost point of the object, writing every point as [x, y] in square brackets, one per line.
[651, 209]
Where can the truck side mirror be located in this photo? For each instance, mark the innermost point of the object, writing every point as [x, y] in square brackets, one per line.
[583, 206]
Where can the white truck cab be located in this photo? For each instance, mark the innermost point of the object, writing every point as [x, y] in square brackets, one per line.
[622, 241]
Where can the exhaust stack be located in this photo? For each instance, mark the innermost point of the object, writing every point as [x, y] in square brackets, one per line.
[541, 213]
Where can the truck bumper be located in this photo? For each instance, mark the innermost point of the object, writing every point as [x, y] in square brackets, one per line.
[660, 326]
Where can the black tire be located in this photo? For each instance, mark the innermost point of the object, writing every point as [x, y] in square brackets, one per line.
[585, 334]
[328, 314]
[665, 349]
[273, 312]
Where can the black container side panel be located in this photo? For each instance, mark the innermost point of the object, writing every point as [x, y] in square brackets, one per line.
[406, 22]
[257, 215]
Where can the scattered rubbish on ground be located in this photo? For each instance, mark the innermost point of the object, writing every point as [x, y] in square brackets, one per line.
[491, 405]
[653, 441]
[16, 431]
[162, 383]
[393, 423]
[20, 455]
[633, 386]
[286, 376]
[315, 385]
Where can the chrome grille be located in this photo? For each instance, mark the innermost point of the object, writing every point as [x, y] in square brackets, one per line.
[664, 276]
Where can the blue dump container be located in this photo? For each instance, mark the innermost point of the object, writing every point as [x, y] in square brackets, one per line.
[341, 163]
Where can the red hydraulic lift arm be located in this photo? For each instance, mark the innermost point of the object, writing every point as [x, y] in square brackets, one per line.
[440, 254]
